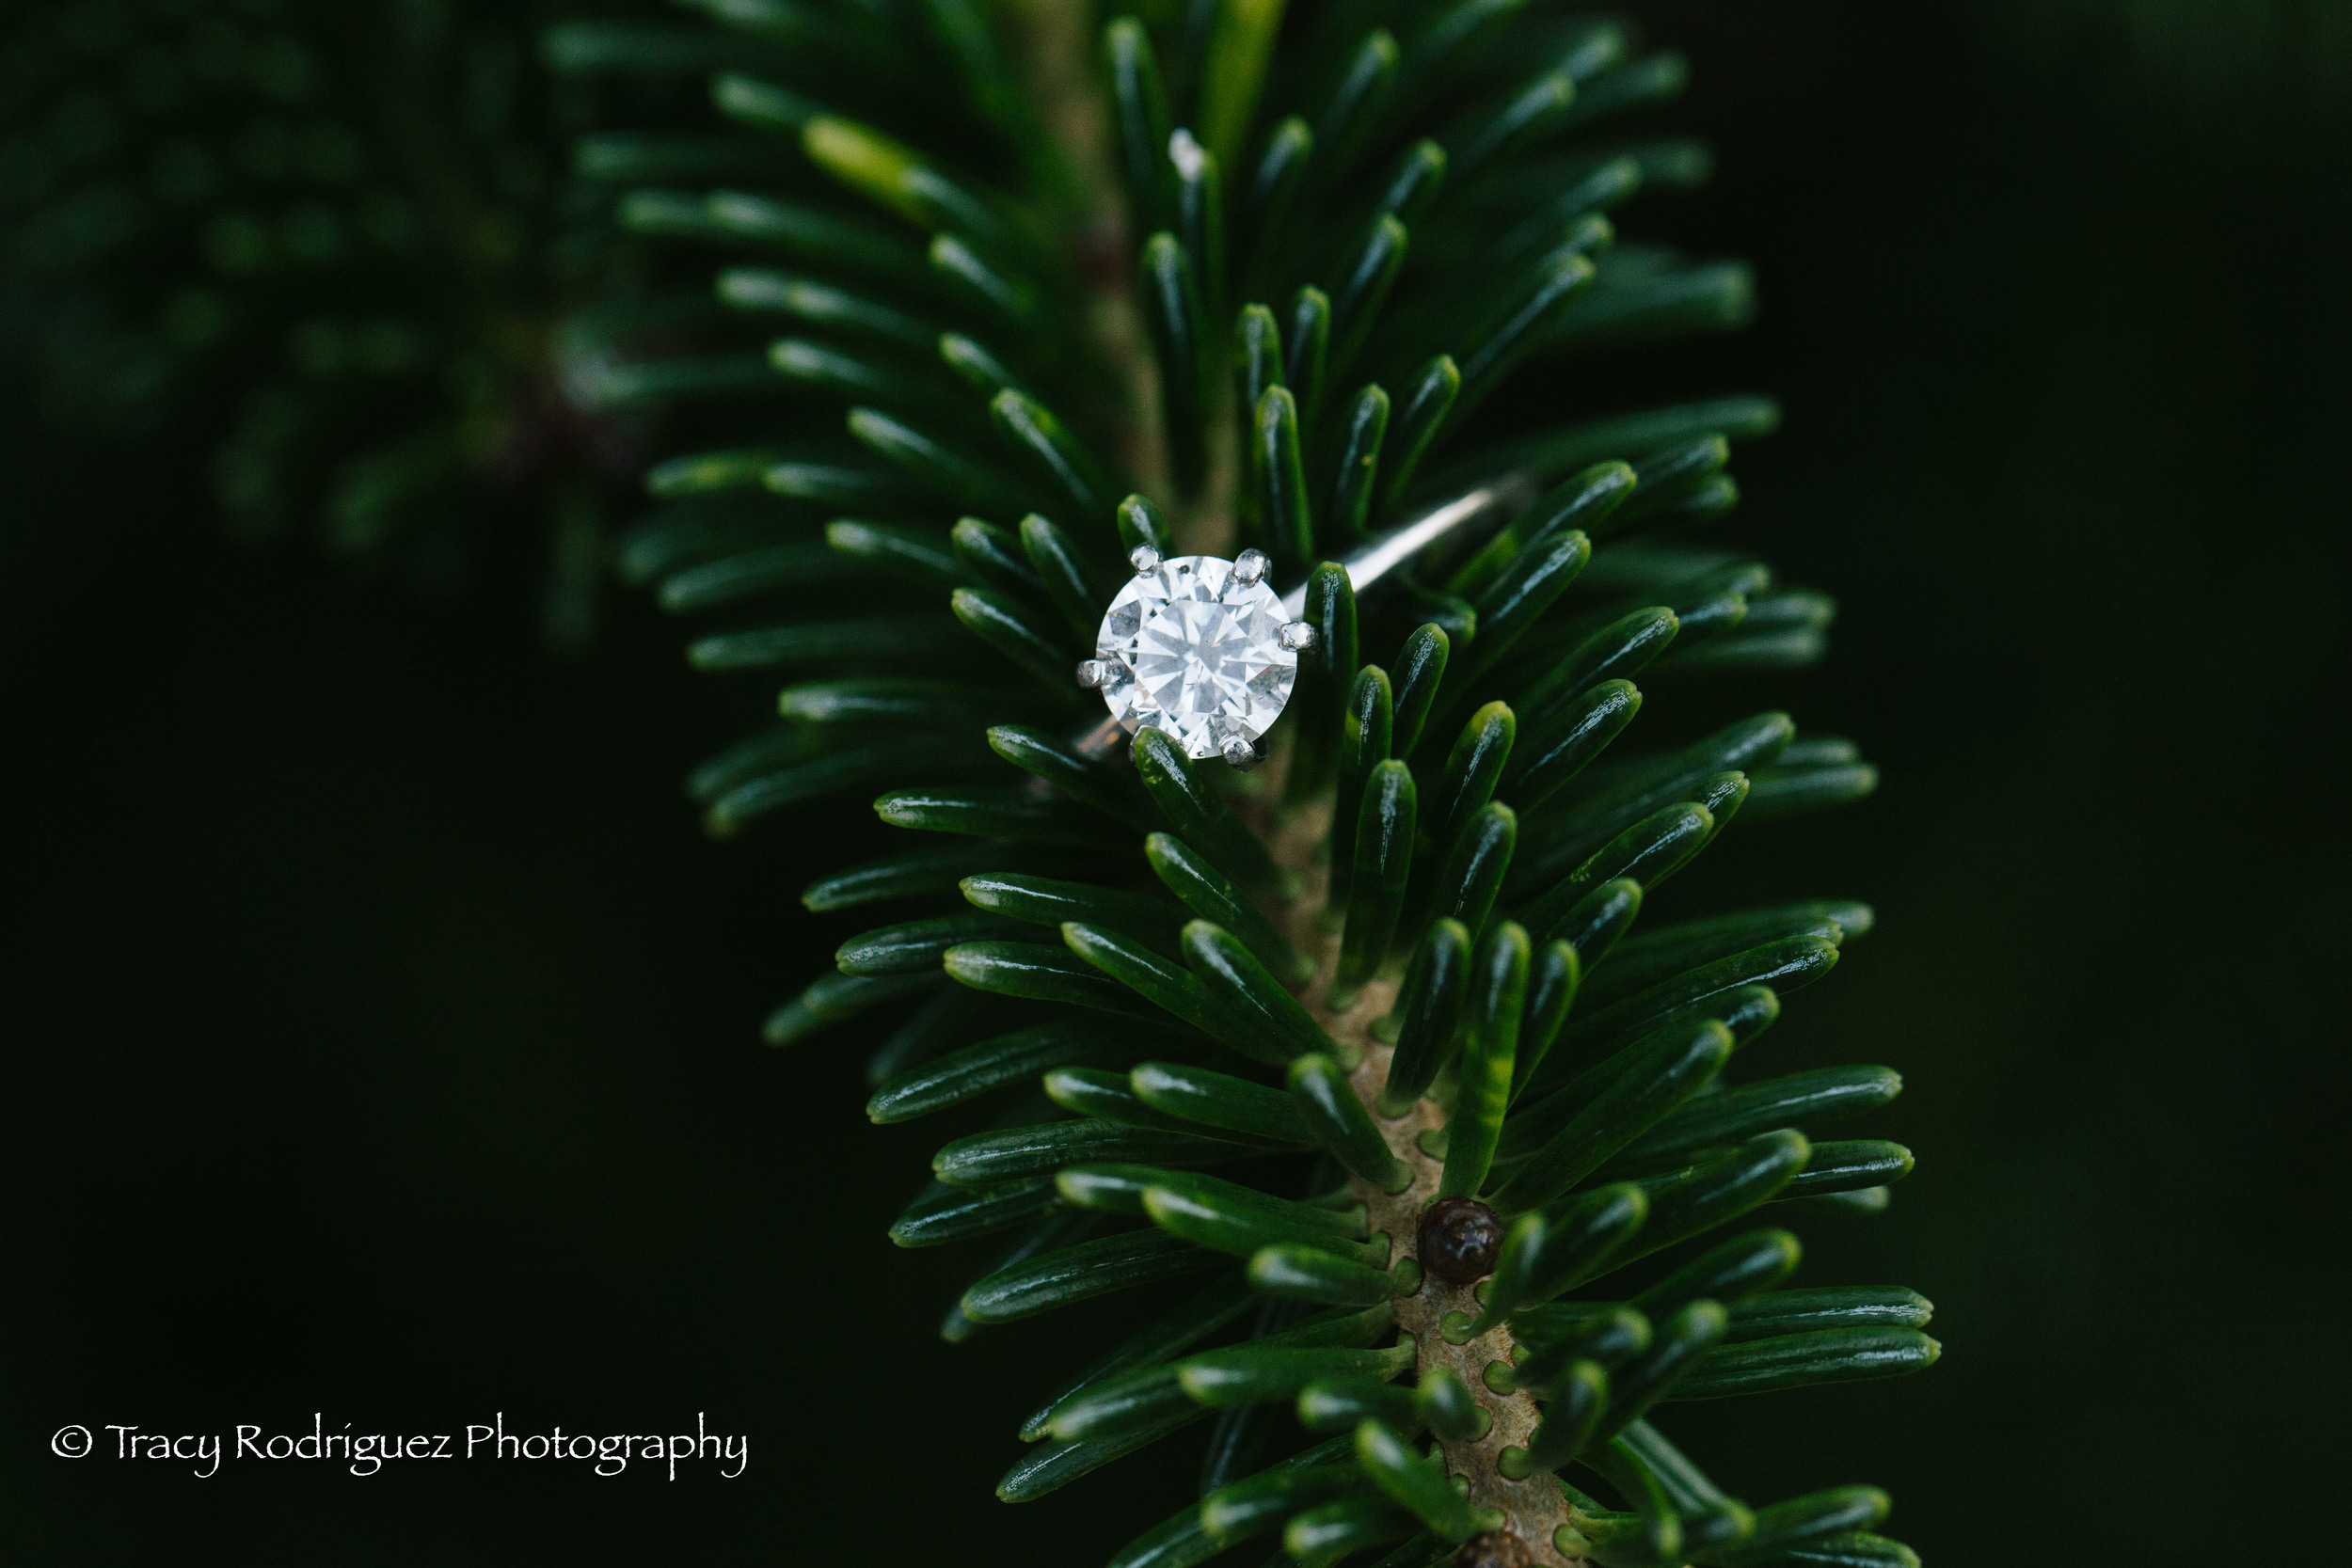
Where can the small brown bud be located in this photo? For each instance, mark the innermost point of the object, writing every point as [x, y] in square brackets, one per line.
[1459, 1239]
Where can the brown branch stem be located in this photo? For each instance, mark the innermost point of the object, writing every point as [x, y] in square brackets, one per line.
[1534, 1508]
[1059, 61]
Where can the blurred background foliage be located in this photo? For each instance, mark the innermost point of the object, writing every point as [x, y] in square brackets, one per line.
[389, 1023]
[350, 247]
[2212, 53]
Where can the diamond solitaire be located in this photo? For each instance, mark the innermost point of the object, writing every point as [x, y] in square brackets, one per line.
[1200, 650]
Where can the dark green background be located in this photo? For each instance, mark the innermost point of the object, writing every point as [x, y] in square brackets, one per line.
[382, 1025]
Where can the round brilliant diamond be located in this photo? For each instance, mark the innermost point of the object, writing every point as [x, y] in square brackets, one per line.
[1196, 653]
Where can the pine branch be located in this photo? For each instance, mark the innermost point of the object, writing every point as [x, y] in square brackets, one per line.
[1373, 947]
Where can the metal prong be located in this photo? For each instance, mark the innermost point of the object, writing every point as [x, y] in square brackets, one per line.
[1187, 155]
[1297, 635]
[1144, 559]
[1243, 755]
[1092, 672]
[1249, 566]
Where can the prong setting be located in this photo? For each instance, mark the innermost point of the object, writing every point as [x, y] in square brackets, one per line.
[1297, 635]
[1193, 646]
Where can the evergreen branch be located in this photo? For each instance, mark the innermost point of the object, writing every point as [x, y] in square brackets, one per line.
[1483, 1123]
